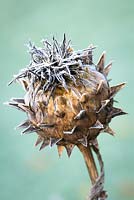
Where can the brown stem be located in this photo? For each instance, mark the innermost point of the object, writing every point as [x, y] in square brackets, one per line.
[90, 163]
[96, 191]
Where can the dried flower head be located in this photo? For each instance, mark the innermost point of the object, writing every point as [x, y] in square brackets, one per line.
[68, 100]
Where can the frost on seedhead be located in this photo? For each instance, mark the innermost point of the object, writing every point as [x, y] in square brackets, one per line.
[68, 101]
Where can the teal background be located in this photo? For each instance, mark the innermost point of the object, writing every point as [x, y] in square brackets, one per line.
[26, 173]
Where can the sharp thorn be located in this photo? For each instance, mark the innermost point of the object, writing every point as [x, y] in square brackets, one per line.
[38, 141]
[106, 70]
[44, 144]
[109, 80]
[70, 132]
[99, 88]
[11, 81]
[64, 38]
[80, 115]
[69, 148]
[24, 124]
[54, 141]
[25, 108]
[30, 129]
[115, 89]
[15, 105]
[18, 100]
[115, 101]
[60, 149]
[109, 130]
[46, 125]
[83, 141]
[94, 142]
[101, 62]
[97, 125]
[103, 104]
[116, 112]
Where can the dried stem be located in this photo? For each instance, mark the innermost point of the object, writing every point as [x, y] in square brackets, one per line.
[96, 192]
[90, 163]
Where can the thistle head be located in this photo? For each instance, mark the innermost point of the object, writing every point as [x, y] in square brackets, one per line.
[68, 98]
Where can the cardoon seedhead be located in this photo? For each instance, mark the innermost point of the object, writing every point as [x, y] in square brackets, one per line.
[68, 102]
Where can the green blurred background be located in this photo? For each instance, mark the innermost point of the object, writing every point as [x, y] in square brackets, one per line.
[26, 173]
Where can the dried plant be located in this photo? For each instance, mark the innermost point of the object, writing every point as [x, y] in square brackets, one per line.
[68, 102]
